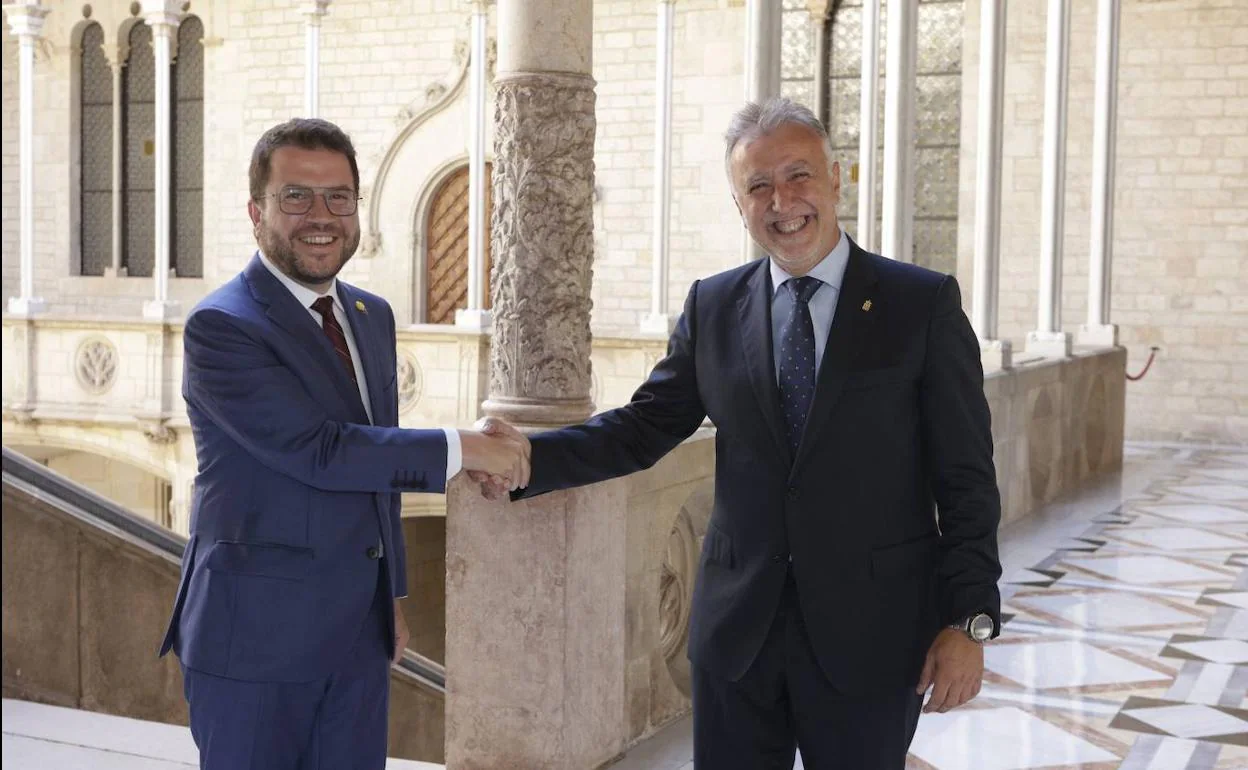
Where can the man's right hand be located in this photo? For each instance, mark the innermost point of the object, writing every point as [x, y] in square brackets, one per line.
[498, 452]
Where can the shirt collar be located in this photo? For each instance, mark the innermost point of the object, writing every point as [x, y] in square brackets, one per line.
[830, 270]
[302, 294]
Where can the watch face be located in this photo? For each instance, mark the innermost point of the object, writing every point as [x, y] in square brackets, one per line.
[981, 627]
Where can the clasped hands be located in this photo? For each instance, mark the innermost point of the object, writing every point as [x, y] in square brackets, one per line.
[496, 456]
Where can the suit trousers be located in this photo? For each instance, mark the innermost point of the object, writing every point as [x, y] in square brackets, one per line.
[335, 723]
[784, 702]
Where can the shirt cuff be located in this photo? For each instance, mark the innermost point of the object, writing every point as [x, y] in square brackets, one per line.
[454, 453]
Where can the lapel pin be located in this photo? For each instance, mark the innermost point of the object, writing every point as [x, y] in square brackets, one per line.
[866, 306]
[359, 305]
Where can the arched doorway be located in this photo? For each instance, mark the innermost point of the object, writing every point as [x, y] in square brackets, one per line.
[446, 257]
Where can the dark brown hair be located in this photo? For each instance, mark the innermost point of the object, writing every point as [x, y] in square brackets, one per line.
[306, 134]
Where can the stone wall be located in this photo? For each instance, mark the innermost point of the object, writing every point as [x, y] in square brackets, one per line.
[1180, 270]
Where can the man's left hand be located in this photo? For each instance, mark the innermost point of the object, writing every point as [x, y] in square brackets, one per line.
[401, 635]
[954, 669]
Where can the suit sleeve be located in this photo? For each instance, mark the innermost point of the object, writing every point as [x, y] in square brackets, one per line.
[958, 435]
[663, 412]
[240, 384]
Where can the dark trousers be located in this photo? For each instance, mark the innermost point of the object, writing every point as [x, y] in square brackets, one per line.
[784, 702]
[336, 723]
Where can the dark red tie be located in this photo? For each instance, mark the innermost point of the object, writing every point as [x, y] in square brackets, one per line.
[333, 330]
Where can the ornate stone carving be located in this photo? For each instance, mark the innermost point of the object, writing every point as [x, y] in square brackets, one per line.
[95, 365]
[410, 382]
[543, 248]
[676, 576]
[158, 431]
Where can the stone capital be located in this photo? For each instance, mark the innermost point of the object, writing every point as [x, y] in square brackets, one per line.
[819, 9]
[26, 19]
[479, 6]
[315, 10]
[163, 16]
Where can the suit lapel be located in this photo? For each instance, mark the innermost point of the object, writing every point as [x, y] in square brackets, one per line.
[285, 311]
[755, 311]
[364, 329]
[851, 325]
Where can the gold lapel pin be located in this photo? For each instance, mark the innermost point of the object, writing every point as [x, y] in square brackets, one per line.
[359, 305]
[866, 306]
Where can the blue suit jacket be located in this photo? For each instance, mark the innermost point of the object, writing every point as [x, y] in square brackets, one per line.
[296, 493]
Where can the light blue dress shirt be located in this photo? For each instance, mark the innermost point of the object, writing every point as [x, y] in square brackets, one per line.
[831, 271]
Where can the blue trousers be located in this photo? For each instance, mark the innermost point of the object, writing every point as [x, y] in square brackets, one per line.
[336, 723]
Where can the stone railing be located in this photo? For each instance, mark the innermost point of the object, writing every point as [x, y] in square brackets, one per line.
[114, 388]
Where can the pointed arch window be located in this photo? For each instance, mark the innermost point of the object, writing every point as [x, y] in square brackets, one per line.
[187, 185]
[446, 247]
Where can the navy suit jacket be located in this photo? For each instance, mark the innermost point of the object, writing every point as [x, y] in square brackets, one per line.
[297, 495]
[898, 433]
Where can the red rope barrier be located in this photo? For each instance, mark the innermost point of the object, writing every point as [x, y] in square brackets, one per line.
[1152, 353]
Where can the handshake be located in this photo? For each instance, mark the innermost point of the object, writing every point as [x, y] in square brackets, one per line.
[496, 456]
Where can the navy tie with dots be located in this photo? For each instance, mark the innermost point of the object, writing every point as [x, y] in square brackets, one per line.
[797, 360]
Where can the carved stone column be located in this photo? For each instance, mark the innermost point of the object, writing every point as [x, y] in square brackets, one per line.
[535, 591]
[543, 223]
[26, 22]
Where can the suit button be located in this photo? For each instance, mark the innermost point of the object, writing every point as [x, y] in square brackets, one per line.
[793, 494]
[373, 552]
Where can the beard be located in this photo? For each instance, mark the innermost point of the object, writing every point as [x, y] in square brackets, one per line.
[281, 251]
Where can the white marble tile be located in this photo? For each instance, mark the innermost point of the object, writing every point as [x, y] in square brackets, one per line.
[1026, 576]
[1213, 491]
[999, 739]
[1217, 650]
[22, 753]
[1109, 610]
[1210, 684]
[1145, 569]
[1173, 753]
[1232, 598]
[1189, 720]
[1196, 513]
[1170, 538]
[1238, 475]
[1237, 626]
[1067, 663]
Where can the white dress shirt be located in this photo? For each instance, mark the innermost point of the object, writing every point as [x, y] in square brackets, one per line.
[831, 271]
[306, 297]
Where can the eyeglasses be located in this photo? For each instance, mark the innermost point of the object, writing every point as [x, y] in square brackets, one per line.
[297, 199]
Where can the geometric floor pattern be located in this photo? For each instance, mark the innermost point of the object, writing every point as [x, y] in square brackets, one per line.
[1127, 646]
[1125, 643]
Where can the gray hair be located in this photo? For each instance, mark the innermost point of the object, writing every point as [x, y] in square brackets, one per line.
[757, 119]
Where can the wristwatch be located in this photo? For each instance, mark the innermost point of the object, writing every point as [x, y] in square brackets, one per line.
[977, 627]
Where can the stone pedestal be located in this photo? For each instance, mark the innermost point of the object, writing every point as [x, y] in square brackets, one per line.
[535, 629]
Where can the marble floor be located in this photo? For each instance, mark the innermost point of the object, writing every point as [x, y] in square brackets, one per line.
[1125, 642]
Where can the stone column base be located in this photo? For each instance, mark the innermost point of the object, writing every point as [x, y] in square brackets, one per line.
[26, 307]
[659, 324]
[535, 628]
[1049, 344]
[995, 355]
[160, 310]
[1101, 336]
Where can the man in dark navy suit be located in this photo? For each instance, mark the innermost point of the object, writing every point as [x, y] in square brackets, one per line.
[287, 615]
[851, 561]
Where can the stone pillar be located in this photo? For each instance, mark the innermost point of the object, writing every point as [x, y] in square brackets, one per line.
[543, 217]
[118, 62]
[1098, 330]
[1048, 339]
[659, 321]
[897, 238]
[763, 36]
[315, 11]
[535, 635]
[994, 352]
[163, 16]
[818, 18]
[868, 236]
[26, 23]
[475, 316]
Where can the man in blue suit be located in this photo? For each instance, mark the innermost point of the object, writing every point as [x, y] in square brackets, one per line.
[287, 618]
